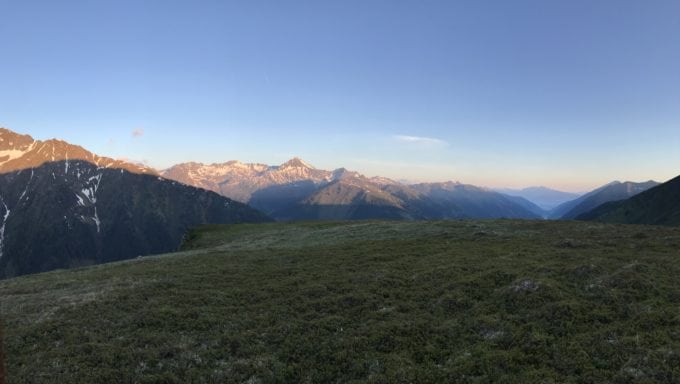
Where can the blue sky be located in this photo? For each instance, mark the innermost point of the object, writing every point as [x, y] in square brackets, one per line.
[570, 94]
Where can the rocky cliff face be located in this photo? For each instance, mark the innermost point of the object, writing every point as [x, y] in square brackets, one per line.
[19, 152]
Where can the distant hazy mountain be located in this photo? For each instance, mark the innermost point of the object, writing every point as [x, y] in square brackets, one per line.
[461, 200]
[545, 198]
[349, 198]
[614, 191]
[658, 205]
[61, 207]
[297, 191]
[528, 205]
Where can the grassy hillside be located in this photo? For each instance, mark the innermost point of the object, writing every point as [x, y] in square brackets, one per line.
[378, 302]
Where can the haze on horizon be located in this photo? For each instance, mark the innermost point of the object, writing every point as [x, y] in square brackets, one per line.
[567, 94]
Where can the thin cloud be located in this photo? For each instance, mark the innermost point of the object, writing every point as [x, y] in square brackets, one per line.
[139, 132]
[420, 141]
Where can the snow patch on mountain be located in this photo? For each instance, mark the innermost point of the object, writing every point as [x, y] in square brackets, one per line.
[22, 152]
[4, 224]
[13, 154]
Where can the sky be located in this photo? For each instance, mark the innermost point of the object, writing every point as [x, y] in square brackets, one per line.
[569, 94]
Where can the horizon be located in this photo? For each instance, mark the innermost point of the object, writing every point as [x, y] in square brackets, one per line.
[398, 179]
[502, 189]
[568, 95]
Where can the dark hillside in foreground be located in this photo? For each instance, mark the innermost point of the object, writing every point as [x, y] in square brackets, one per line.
[614, 191]
[659, 205]
[73, 213]
[379, 302]
[62, 206]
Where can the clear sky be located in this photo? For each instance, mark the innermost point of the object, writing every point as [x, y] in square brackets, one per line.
[565, 93]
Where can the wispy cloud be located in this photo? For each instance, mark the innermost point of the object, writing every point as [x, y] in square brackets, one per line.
[139, 132]
[420, 141]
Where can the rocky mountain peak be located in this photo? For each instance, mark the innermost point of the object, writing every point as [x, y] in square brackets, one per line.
[19, 151]
[296, 162]
[10, 140]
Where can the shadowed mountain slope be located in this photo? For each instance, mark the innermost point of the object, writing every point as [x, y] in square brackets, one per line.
[71, 213]
[611, 192]
[468, 201]
[658, 205]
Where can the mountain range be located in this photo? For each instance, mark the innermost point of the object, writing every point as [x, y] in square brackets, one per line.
[62, 206]
[295, 190]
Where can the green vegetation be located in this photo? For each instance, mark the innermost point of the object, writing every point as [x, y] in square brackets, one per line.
[379, 302]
